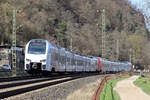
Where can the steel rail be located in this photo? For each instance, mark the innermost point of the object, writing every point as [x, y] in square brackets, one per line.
[55, 81]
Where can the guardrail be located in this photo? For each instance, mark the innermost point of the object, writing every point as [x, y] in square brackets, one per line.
[97, 93]
[100, 88]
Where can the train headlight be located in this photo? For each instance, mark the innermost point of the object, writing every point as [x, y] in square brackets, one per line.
[28, 60]
[44, 60]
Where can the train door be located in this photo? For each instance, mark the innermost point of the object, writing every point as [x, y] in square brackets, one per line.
[99, 64]
[73, 61]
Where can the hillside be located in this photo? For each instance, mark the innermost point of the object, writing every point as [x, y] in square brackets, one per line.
[58, 20]
[144, 7]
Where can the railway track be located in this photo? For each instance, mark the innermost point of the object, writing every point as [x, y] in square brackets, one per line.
[18, 78]
[12, 88]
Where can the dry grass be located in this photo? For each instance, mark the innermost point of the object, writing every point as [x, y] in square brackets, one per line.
[84, 93]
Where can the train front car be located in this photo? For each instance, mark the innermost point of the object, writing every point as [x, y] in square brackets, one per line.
[36, 56]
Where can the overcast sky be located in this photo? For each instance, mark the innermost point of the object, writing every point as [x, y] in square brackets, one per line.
[140, 4]
[144, 7]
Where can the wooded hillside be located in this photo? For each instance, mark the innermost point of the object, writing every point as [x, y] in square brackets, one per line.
[59, 20]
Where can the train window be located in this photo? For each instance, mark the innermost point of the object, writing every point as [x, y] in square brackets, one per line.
[68, 60]
[64, 59]
[72, 61]
[37, 48]
[56, 56]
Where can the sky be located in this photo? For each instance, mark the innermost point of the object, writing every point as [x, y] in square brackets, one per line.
[144, 7]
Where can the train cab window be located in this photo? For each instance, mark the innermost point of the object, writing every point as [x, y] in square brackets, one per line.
[37, 48]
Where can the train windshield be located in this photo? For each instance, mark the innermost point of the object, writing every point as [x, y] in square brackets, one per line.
[37, 48]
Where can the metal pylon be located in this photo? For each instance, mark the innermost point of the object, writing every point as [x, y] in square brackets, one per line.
[14, 45]
[103, 33]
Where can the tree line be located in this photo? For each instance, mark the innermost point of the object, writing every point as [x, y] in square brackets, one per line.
[126, 36]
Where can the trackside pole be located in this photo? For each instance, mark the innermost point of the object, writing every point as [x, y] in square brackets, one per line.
[14, 45]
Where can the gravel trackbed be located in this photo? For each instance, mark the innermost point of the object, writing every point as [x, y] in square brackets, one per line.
[64, 91]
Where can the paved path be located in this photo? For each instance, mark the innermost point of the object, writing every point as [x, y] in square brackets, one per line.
[128, 91]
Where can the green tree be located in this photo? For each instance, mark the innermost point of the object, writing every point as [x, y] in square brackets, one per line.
[60, 33]
[136, 42]
[5, 23]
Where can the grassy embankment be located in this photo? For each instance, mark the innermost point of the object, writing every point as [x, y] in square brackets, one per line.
[108, 93]
[144, 84]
